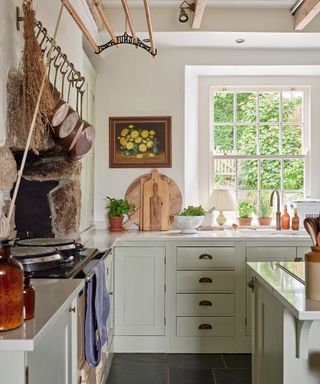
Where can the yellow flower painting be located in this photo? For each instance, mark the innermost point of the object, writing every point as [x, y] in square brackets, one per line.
[138, 142]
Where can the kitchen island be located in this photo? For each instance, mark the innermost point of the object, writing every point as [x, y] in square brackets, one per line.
[44, 349]
[286, 326]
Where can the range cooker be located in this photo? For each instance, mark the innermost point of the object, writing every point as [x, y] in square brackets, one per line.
[55, 258]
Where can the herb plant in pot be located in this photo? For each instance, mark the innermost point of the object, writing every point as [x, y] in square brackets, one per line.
[245, 209]
[117, 208]
[190, 218]
[264, 213]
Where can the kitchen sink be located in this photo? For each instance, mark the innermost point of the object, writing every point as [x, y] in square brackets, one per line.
[260, 232]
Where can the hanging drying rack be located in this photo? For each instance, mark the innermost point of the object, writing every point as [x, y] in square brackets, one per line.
[97, 10]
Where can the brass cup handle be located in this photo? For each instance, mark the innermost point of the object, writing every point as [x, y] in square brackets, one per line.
[72, 309]
[205, 280]
[205, 326]
[205, 303]
[205, 256]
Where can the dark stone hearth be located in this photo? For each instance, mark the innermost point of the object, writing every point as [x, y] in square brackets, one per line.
[66, 203]
[49, 199]
[33, 215]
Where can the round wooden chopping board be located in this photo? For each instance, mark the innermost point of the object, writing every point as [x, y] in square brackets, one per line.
[133, 195]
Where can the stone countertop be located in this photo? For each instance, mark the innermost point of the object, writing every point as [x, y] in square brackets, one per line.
[289, 290]
[52, 298]
[103, 239]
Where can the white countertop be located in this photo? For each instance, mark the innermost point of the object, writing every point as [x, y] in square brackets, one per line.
[52, 297]
[103, 239]
[286, 288]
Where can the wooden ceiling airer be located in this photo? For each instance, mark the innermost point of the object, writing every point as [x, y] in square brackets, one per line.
[103, 23]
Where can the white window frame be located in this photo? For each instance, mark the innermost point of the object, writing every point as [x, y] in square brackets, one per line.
[305, 136]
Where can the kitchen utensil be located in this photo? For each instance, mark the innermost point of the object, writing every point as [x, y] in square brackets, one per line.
[134, 195]
[188, 224]
[60, 113]
[155, 206]
[84, 143]
[309, 226]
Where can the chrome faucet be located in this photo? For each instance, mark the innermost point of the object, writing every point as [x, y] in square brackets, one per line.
[278, 213]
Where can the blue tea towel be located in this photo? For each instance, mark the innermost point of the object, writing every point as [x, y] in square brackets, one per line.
[97, 311]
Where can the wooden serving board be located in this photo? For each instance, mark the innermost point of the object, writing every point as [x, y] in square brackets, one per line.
[156, 198]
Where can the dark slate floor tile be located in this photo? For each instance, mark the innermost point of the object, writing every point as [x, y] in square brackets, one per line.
[232, 376]
[190, 376]
[195, 361]
[139, 358]
[237, 360]
[138, 374]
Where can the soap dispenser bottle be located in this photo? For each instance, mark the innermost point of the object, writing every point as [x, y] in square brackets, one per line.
[285, 219]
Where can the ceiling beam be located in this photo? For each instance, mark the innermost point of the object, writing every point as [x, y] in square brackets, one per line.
[305, 13]
[198, 13]
[128, 16]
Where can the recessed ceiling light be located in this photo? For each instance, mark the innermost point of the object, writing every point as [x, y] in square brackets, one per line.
[240, 41]
[146, 40]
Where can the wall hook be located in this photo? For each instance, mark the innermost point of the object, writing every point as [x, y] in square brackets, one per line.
[18, 18]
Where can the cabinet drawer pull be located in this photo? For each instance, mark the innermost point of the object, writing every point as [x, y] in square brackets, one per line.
[205, 256]
[205, 303]
[72, 309]
[205, 326]
[205, 280]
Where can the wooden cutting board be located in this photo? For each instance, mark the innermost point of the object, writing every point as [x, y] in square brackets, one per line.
[156, 198]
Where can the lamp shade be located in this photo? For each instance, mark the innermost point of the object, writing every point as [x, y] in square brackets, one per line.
[221, 199]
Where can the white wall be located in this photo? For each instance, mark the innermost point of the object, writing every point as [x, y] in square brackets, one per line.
[130, 82]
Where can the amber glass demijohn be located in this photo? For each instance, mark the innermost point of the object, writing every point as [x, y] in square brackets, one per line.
[11, 289]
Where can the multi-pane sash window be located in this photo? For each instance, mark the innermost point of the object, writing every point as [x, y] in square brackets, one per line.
[257, 142]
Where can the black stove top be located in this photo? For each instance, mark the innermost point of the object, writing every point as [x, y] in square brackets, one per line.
[71, 265]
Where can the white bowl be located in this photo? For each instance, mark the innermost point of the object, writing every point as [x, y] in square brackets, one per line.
[189, 223]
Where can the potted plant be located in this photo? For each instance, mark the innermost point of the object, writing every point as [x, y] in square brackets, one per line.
[190, 218]
[264, 213]
[117, 208]
[245, 209]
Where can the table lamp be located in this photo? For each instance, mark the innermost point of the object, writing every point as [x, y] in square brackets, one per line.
[222, 200]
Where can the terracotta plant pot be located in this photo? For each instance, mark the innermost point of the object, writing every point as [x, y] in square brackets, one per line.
[115, 223]
[264, 220]
[244, 221]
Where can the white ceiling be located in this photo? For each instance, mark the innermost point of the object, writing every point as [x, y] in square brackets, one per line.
[209, 3]
[254, 40]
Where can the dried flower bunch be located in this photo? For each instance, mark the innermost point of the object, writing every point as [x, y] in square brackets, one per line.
[33, 71]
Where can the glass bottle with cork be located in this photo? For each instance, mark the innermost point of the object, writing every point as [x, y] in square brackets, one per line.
[285, 218]
[295, 222]
[11, 289]
[29, 298]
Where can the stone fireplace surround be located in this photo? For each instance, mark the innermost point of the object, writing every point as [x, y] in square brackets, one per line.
[49, 198]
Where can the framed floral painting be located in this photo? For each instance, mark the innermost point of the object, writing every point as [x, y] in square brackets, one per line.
[140, 142]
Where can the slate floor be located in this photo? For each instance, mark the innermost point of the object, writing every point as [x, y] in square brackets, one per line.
[143, 368]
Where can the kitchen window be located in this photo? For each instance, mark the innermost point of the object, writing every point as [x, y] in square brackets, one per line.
[257, 142]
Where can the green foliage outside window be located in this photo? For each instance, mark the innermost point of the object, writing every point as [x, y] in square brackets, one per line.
[265, 108]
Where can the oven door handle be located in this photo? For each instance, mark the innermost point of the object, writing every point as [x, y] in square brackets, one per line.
[106, 254]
